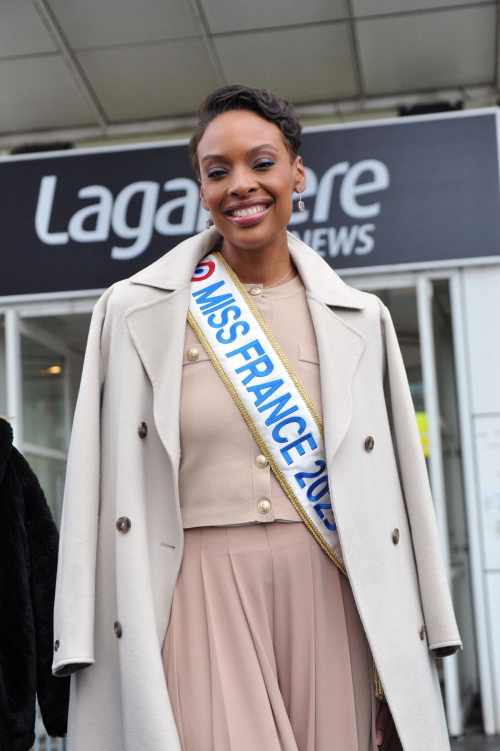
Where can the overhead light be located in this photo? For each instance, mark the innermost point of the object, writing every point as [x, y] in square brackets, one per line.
[34, 148]
[428, 109]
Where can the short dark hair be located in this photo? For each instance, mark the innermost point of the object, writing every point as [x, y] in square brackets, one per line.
[261, 101]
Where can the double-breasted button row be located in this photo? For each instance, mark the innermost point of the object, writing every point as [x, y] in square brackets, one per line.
[123, 524]
[369, 444]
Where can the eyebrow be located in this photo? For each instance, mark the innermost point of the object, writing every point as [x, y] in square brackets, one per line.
[250, 151]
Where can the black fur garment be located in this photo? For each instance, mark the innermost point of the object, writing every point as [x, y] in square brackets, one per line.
[28, 566]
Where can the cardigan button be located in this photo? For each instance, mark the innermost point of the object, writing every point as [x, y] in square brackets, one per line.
[395, 536]
[56, 645]
[143, 430]
[264, 506]
[369, 442]
[123, 524]
[118, 629]
[192, 354]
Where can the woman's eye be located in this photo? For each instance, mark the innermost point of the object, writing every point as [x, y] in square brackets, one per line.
[217, 173]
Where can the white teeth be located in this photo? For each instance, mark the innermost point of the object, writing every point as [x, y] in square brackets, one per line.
[247, 212]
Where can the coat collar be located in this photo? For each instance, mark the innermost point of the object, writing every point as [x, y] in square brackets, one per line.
[175, 268]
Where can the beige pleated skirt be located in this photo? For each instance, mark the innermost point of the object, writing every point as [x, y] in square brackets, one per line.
[265, 650]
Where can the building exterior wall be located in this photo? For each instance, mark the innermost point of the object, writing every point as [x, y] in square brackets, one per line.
[481, 302]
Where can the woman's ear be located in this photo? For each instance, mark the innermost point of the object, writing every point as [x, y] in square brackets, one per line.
[300, 172]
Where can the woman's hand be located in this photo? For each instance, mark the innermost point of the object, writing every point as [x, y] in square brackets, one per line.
[384, 726]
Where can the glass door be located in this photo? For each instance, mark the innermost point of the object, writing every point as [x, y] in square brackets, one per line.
[44, 359]
[45, 410]
[447, 479]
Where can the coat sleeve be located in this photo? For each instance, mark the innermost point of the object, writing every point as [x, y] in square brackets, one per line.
[74, 606]
[42, 538]
[440, 622]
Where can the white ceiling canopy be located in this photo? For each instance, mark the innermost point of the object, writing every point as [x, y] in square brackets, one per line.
[101, 65]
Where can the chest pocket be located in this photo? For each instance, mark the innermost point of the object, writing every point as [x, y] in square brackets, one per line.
[309, 353]
[308, 372]
[306, 353]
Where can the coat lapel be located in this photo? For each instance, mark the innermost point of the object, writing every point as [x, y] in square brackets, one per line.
[340, 344]
[158, 331]
[340, 347]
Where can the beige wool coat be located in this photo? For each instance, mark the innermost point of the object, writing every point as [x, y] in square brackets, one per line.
[132, 375]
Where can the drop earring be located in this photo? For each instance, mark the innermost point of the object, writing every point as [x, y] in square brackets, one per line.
[301, 202]
[209, 221]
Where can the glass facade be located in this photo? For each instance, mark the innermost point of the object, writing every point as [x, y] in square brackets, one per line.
[43, 395]
[402, 302]
[51, 474]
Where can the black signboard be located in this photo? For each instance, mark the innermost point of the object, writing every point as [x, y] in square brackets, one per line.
[407, 192]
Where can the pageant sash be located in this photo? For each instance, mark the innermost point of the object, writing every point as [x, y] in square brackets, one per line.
[285, 424]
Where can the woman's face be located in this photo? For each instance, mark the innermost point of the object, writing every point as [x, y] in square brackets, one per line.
[247, 178]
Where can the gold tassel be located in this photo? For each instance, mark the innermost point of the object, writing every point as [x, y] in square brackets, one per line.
[379, 691]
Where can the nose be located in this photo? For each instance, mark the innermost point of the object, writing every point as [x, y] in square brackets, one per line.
[242, 182]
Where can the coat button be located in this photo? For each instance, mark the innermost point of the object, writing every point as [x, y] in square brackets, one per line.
[123, 524]
[369, 443]
[56, 645]
[395, 536]
[143, 430]
[264, 506]
[255, 291]
[261, 461]
[118, 628]
[422, 631]
[192, 354]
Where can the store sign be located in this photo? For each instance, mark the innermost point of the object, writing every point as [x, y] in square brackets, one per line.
[407, 192]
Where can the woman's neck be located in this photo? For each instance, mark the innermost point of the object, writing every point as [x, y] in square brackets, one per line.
[264, 265]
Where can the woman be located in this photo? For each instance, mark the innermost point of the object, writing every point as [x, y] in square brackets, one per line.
[222, 592]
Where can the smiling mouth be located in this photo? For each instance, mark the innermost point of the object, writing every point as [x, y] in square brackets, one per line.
[248, 212]
[250, 216]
